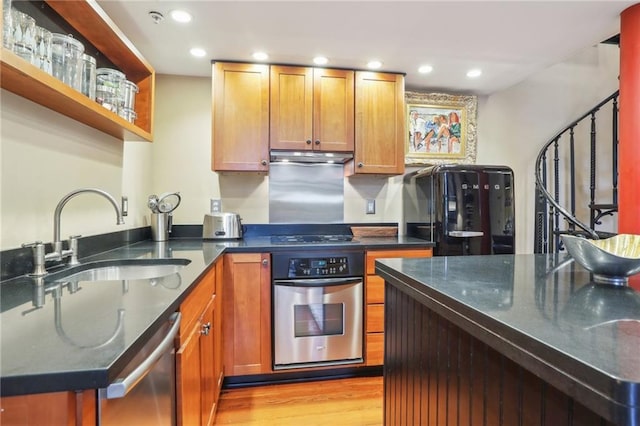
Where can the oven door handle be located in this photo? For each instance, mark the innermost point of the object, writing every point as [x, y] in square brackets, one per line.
[318, 282]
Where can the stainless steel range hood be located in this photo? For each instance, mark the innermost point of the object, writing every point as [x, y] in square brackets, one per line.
[310, 157]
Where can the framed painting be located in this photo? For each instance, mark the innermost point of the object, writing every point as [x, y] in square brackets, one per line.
[441, 128]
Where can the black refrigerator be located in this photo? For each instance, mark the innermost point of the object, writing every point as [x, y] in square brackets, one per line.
[463, 209]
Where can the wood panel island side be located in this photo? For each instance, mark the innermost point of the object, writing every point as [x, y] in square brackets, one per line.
[508, 339]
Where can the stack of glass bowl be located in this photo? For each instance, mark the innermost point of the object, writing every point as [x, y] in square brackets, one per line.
[116, 93]
[126, 109]
[108, 88]
[67, 60]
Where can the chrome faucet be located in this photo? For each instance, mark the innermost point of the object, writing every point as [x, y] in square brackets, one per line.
[40, 258]
[57, 243]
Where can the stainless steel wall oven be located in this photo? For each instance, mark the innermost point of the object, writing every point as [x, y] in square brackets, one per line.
[317, 307]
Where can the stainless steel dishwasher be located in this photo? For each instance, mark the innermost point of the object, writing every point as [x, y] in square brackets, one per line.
[145, 395]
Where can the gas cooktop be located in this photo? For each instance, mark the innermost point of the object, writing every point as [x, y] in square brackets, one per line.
[310, 239]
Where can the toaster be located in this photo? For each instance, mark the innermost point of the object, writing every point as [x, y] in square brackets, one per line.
[222, 226]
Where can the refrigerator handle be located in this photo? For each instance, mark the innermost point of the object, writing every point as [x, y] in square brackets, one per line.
[465, 234]
[121, 386]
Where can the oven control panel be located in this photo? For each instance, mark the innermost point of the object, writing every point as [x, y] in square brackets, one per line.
[306, 264]
[318, 266]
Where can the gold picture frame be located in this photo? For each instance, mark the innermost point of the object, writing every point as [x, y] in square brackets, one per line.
[441, 128]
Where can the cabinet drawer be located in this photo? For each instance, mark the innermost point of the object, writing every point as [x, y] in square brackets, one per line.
[195, 303]
[381, 254]
[375, 349]
[375, 289]
[375, 318]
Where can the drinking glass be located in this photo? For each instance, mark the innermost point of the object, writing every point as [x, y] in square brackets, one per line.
[7, 27]
[24, 27]
[42, 55]
[89, 76]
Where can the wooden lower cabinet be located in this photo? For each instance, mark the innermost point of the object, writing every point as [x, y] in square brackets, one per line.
[55, 408]
[188, 380]
[374, 297]
[198, 359]
[218, 341]
[247, 314]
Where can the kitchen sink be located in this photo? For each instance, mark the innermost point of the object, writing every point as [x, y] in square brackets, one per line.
[116, 270]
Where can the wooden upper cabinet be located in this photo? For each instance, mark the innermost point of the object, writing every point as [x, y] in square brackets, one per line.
[93, 24]
[291, 108]
[379, 124]
[240, 117]
[312, 109]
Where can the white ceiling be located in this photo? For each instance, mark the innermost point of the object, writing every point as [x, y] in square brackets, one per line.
[509, 39]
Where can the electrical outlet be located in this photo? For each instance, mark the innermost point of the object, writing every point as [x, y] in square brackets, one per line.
[371, 206]
[216, 205]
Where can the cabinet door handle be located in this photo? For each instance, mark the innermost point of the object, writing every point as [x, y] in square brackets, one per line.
[308, 141]
[265, 262]
[318, 142]
[263, 162]
[205, 329]
[360, 164]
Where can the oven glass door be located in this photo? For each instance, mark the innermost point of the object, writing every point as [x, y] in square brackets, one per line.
[317, 321]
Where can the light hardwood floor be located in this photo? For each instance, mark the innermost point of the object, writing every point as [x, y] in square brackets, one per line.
[344, 402]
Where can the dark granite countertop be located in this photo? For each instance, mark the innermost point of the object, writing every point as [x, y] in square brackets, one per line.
[82, 339]
[543, 312]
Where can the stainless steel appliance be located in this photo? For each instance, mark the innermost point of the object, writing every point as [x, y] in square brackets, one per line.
[317, 307]
[314, 192]
[145, 395]
[463, 209]
[222, 226]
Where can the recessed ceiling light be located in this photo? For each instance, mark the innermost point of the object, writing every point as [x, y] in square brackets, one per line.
[374, 65]
[181, 16]
[260, 56]
[476, 72]
[320, 60]
[198, 52]
[425, 69]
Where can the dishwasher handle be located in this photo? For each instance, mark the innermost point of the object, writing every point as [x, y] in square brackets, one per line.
[121, 386]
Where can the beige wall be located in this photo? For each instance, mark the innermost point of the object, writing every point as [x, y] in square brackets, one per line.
[514, 124]
[44, 155]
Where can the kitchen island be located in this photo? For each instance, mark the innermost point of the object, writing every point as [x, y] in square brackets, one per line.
[508, 339]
